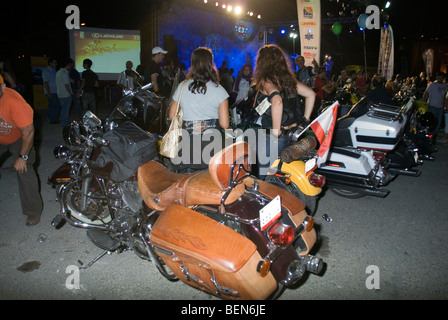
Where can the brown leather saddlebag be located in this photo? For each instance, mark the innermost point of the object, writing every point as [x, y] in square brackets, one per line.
[209, 256]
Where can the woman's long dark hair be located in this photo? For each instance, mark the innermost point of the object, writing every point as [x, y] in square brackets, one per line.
[273, 66]
[202, 70]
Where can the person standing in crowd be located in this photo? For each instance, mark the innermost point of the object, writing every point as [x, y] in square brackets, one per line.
[242, 82]
[342, 79]
[204, 103]
[89, 81]
[328, 64]
[274, 79]
[75, 81]
[421, 85]
[445, 138]
[129, 78]
[153, 72]
[379, 94]
[361, 82]
[17, 137]
[227, 80]
[64, 90]
[50, 90]
[322, 86]
[7, 73]
[435, 95]
[305, 74]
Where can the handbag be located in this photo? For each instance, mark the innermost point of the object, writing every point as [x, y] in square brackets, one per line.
[170, 141]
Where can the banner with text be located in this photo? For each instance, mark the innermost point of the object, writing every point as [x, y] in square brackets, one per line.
[309, 17]
[386, 56]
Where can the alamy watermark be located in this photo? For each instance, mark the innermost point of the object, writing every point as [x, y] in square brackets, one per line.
[373, 17]
[73, 21]
[73, 280]
[199, 148]
[373, 280]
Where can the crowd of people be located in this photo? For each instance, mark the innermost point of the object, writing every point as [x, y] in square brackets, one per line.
[205, 95]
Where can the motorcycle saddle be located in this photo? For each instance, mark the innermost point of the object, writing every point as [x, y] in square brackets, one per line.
[160, 187]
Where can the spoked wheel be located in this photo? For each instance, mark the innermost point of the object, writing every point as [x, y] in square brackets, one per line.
[96, 211]
[347, 193]
[310, 202]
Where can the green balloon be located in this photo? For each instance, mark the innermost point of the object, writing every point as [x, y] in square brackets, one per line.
[336, 28]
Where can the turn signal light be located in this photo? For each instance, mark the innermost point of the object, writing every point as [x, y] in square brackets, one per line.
[281, 234]
[263, 267]
[317, 180]
[309, 223]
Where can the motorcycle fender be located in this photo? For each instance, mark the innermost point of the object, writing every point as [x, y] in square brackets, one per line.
[296, 170]
[209, 256]
[295, 208]
[61, 175]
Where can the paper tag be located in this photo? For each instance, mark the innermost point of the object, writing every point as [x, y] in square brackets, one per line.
[270, 212]
[263, 106]
[310, 164]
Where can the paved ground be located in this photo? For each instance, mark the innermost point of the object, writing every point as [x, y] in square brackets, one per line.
[404, 236]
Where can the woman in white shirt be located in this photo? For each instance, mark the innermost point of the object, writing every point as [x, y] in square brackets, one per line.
[205, 107]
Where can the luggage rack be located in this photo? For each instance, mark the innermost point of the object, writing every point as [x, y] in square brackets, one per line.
[385, 112]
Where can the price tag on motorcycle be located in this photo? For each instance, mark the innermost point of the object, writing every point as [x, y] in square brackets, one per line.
[270, 212]
[310, 164]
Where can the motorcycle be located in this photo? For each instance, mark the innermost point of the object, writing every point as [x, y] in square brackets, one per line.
[421, 125]
[141, 106]
[382, 128]
[357, 162]
[222, 231]
[294, 170]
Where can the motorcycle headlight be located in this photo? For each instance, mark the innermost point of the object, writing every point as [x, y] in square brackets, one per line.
[91, 120]
[62, 152]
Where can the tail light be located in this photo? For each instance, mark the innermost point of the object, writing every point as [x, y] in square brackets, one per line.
[378, 155]
[281, 234]
[317, 180]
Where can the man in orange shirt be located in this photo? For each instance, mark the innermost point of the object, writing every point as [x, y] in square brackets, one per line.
[17, 137]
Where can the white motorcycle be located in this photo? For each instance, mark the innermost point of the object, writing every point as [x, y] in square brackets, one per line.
[358, 162]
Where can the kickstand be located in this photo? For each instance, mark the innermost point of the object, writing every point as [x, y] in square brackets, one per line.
[102, 254]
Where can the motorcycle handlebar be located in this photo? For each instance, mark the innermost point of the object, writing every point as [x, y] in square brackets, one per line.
[147, 86]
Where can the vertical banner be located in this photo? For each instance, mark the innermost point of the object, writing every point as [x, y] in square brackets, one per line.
[386, 56]
[428, 59]
[308, 13]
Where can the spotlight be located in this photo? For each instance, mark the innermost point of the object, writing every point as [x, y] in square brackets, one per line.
[283, 31]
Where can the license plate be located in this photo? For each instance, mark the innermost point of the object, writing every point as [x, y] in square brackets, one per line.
[310, 164]
[270, 212]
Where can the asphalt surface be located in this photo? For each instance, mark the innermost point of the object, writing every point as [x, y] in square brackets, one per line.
[403, 236]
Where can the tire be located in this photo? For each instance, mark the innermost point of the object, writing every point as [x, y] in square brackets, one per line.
[346, 193]
[310, 202]
[95, 206]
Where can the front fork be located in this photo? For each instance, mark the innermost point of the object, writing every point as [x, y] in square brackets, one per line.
[85, 190]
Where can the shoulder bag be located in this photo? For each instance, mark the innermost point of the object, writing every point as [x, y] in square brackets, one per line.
[170, 141]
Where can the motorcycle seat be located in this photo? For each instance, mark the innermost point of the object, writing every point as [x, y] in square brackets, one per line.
[160, 187]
